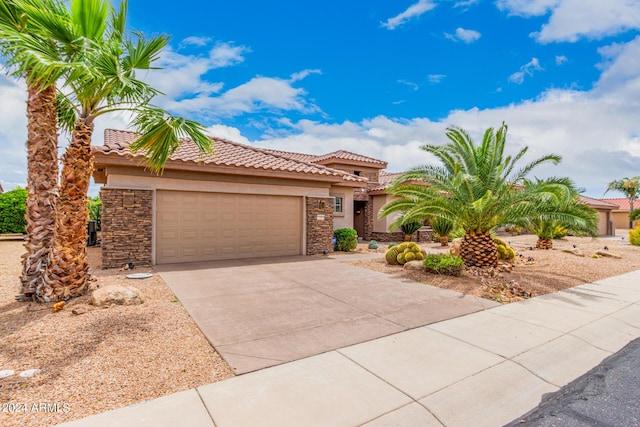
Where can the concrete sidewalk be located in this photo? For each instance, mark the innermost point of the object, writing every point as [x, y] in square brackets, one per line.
[482, 369]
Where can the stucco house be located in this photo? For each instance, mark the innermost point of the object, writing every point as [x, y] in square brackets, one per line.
[620, 213]
[605, 214]
[240, 202]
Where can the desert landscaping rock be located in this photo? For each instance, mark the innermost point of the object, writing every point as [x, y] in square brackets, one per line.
[29, 373]
[609, 254]
[6, 373]
[576, 252]
[80, 309]
[414, 265]
[116, 294]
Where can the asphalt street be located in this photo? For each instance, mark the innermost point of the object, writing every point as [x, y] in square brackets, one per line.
[608, 395]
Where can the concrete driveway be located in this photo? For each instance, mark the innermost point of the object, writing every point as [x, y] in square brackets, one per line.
[264, 312]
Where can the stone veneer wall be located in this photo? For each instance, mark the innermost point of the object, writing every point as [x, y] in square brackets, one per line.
[398, 236]
[319, 232]
[126, 231]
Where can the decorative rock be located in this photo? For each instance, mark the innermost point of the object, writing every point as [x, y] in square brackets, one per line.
[576, 252]
[29, 373]
[414, 265]
[6, 373]
[116, 294]
[609, 254]
[80, 309]
[454, 248]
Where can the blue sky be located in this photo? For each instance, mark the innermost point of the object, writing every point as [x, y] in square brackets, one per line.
[382, 78]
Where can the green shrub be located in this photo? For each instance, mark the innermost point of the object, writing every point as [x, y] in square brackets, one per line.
[448, 264]
[346, 239]
[95, 210]
[13, 206]
[392, 244]
[373, 244]
[559, 232]
[634, 236]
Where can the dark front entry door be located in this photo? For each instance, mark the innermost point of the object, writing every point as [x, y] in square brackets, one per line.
[359, 217]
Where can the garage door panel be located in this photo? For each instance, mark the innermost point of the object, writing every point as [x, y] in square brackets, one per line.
[198, 226]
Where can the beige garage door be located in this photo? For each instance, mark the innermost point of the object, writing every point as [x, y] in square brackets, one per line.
[195, 226]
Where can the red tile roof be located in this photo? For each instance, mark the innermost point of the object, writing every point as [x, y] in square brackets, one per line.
[596, 203]
[622, 203]
[226, 153]
[385, 178]
[326, 158]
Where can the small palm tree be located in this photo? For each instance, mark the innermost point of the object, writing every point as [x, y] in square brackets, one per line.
[407, 226]
[577, 217]
[630, 187]
[477, 187]
[443, 227]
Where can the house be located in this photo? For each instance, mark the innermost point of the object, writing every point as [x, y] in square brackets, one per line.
[240, 202]
[605, 214]
[621, 211]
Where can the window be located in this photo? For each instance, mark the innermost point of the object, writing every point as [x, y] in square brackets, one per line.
[337, 205]
[357, 173]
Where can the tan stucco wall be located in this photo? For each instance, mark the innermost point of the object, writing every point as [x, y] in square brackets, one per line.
[345, 219]
[122, 178]
[621, 220]
[381, 225]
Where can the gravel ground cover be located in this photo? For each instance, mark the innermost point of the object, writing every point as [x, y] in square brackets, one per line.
[104, 359]
[537, 272]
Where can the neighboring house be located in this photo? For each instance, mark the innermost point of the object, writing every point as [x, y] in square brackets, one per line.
[621, 211]
[240, 202]
[605, 214]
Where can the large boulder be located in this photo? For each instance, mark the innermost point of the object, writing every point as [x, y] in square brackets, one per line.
[116, 294]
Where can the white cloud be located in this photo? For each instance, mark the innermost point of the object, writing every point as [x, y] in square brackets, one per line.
[226, 55]
[195, 41]
[436, 78]
[571, 20]
[414, 11]
[227, 132]
[466, 3]
[303, 74]
[465, 36]
[561, 59]
[526, 70]
[412, 85]
[526, 7]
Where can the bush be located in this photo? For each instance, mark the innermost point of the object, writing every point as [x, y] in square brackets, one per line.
[13, 206]
[634, 236]
[448, 264]
[559, 232]
[346, 239]
[95, 211]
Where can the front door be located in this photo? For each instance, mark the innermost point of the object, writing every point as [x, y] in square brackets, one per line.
[359, 217]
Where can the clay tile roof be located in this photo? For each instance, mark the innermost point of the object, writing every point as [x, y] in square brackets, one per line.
[347, 155]
[226, 153]
[309, 158]
[622, 203]
[596, 203]
[385, 179]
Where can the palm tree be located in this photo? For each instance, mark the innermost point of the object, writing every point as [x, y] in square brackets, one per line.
[101, 80]
[477, 187]
[630, 187]
[443, 227]
[17, 39]
[578, 218]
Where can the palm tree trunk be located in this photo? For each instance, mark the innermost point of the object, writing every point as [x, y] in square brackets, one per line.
[42, 184]
[632, 201]
[479, 250]
[407, 237]
[545, 244]
[68, 274]
[444, 240]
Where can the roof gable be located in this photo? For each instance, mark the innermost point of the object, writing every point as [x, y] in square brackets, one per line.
[622, 203]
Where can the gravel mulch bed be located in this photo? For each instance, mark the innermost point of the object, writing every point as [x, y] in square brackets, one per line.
[536, 273]
[104, 359]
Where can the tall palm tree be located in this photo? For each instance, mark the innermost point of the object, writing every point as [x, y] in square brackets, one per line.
[578, 218]
[630, 187]
[103, 81]
[18, 37]
[477, 187]
[102, 59]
